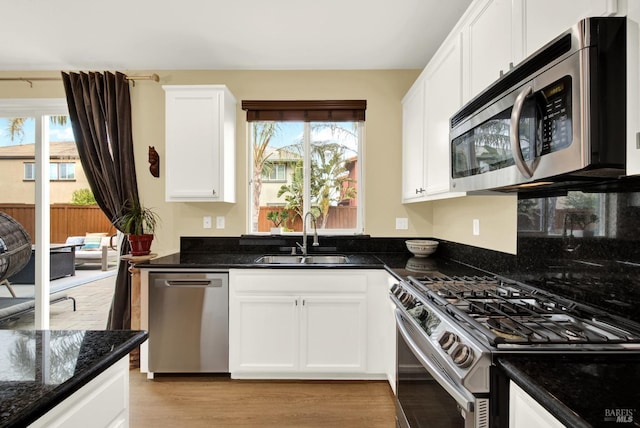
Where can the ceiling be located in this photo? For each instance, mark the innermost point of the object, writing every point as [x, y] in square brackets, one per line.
[223, 34]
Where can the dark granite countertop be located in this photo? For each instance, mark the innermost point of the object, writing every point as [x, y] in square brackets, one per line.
[578, 389]
[581, 390]
[74, 358]
[363, 252]
[400, 265]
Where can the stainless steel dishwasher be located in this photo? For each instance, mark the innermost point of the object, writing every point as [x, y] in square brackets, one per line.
[189, 322]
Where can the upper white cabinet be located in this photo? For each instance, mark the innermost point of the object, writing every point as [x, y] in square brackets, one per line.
[426, 110]
[557, 16]
[443, 93]
[492, 44]
[200, 143]
[490, 38]
[413, 143]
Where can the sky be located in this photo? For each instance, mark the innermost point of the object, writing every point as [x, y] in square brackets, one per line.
[291, 133]
[57, 133]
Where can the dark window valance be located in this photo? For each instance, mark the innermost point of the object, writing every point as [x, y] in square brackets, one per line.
[305, 111]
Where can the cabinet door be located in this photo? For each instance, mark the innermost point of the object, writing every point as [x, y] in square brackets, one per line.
[633, 88]
[544, 20]
[490, 44]
[333, 334]
[413, 159]
[443, 98]
[200, 133]
[265, 334]
[525, 412]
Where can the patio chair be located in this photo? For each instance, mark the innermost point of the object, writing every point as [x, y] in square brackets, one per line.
[94, 248]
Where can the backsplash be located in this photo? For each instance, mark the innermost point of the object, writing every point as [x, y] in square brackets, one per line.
[583, 246]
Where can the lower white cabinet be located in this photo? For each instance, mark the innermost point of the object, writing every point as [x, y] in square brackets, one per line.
[103, 402]
[525, 412]
[305, 323]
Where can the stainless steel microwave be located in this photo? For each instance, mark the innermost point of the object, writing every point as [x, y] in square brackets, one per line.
[558, 116]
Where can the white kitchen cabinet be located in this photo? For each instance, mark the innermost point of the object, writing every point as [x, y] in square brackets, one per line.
[426, 110]
[333, 333]
[200, 123]
[103, 402]
[525, 412]
[297, 323]
[443, 93]
[557, 16]
[413, 143]
[492, 44]
[266, 336]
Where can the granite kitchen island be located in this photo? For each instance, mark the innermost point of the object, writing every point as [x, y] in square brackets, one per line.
[75, 376]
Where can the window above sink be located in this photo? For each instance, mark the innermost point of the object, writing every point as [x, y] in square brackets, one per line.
[306, 156]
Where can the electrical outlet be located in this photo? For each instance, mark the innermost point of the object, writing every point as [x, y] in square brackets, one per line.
[220, 222]
[206, 222]
[402, 223]
[476, 227]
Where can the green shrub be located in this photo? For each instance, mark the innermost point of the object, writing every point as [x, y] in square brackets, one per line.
[83, 197]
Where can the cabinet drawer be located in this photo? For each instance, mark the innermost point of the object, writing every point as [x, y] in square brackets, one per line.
[298, 281]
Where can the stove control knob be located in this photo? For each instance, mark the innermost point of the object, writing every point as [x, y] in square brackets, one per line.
[463, 356]
[447, 340]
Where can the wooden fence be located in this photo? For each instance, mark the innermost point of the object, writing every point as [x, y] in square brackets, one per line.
[339, 218]
[66, 220]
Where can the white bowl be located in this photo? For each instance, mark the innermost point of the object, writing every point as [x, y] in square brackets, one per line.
[421, 247]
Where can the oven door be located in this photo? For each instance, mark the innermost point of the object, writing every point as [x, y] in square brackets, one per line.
[425, 395]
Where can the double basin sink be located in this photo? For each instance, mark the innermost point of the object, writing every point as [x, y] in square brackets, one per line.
[315, 259]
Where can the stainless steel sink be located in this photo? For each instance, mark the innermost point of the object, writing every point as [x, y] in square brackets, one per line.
[326, 259]
[329, 259]
[279, 259]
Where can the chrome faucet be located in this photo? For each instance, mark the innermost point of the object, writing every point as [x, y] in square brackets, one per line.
[303, 247]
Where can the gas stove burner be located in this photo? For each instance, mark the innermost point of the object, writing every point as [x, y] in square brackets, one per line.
[506, 328]
[506, 312]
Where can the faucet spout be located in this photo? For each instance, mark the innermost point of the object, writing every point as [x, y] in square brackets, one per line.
[304, 232]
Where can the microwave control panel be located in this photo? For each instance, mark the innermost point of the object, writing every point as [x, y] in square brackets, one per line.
[555, 103]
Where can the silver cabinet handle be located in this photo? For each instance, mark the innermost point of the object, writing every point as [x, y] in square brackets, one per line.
[514, 134]
[192, 283]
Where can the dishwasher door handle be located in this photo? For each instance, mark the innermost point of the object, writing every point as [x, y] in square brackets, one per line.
[205, 283]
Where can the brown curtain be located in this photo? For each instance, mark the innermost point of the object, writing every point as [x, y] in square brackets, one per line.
[100, 113]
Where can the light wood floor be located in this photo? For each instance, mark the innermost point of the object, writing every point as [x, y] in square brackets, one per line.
[195, 401]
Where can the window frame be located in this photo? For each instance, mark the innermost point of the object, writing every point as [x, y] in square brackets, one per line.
[54, 171]
[309, 111]
[268, 178]
[40, 109]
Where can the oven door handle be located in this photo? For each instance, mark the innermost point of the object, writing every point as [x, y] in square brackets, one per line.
[465, 402]
[514, 135]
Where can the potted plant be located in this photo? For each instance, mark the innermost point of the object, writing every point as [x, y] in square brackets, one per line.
[139, 224]
[277, 218]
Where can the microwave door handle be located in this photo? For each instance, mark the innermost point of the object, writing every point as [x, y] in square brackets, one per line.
[514, 134]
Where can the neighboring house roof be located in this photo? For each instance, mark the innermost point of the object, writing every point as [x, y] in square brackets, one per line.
[281, 155]
[57, 150]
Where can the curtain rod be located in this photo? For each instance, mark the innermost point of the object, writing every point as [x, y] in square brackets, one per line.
[30, 80]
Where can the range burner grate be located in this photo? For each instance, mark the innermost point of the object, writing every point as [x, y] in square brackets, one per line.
[506, 312]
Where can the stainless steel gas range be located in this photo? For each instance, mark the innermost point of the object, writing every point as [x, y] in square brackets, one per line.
[451, 328]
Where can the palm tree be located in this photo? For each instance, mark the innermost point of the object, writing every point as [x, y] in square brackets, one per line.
[329, 181]
[16, 125]
[329, 174]
[263, 132]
